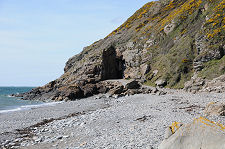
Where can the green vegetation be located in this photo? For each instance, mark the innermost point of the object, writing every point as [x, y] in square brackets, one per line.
[213, 69]
[216, 24]
[174, 52]
[137, 15]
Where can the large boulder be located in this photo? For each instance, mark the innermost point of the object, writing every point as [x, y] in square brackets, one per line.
[102, 88]
[133, 85]
[90, 90]
[73, 92]
[215, 109]
[200, 134]
[160, 83]
[117, 90]
[169, 28]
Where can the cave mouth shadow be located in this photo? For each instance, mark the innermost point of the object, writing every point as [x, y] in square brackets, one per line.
[112, 65]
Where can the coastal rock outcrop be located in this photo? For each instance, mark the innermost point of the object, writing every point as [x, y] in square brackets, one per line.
[164, 40]
[205, 85]
[83, 90]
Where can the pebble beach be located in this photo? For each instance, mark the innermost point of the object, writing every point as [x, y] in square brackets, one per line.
[137, 121]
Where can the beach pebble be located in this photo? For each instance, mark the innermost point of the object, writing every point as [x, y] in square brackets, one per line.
[59, 137]
[12, 143]
[66, 136]
[24, 144]
[38, 140]
[6, 142]
[55, 145]
[18, 139]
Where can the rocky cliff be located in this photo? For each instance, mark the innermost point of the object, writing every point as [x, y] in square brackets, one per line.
[164, 43]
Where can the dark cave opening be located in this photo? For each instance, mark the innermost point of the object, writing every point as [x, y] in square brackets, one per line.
[222, 51]
[112, 65]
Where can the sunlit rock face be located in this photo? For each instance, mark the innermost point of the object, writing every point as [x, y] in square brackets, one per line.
[200, 134]
[181, 39]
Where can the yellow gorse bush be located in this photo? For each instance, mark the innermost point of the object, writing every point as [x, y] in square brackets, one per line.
[217, 20]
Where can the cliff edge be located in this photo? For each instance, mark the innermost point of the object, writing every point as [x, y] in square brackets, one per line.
[176, 44]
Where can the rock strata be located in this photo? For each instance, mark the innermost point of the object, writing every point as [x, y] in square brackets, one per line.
[204, 85]
[164, 43]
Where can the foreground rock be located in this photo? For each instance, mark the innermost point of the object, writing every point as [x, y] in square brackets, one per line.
[200, 134]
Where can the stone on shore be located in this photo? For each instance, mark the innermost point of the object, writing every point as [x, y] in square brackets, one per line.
[213, 108]
[160, 83]
[133, 85]
[200, 134]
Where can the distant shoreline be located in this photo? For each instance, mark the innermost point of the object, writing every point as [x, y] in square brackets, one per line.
[10, 103]
[18, 86]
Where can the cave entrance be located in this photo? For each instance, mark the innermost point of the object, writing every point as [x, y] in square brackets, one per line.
[112, 65]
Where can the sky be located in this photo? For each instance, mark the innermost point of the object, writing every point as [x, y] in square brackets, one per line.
[37, 37]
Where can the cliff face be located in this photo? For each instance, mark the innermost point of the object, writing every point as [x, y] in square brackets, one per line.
[165, 41]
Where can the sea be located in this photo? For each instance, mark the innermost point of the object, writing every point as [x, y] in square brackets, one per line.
[12, 104]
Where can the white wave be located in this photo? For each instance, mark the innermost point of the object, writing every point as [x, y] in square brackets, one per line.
[11, 110]
[28, 107]
[41, 105]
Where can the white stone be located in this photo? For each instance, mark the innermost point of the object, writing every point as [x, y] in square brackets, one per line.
[169, 28]
[130, 45]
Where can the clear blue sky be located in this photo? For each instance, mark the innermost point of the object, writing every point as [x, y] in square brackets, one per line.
[38, 36]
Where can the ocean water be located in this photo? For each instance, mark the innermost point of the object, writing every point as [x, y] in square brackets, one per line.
[11, 104]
